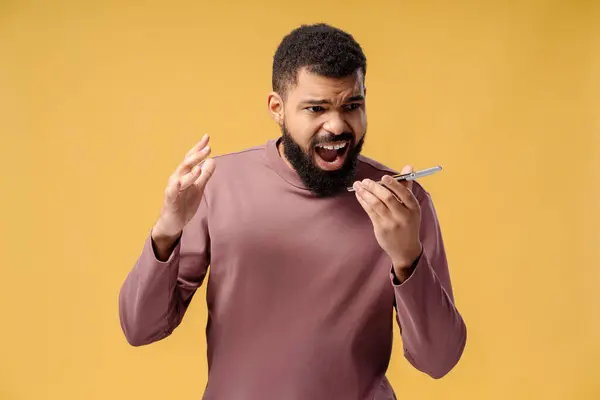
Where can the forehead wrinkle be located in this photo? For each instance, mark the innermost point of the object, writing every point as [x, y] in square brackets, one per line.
[310, 86]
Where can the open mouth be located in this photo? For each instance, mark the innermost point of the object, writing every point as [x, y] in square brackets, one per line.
[331, 156]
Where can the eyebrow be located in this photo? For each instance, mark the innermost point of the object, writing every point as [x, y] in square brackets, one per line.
[317, 102]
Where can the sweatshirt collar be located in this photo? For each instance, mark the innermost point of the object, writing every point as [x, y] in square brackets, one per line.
[279, 165]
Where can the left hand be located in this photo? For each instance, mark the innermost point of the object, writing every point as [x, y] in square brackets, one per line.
[396, 217]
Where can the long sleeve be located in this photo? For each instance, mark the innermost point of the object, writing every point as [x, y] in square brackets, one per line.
[433, 331]
[155, 295]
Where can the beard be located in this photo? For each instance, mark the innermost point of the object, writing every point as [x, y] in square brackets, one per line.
[322, 183]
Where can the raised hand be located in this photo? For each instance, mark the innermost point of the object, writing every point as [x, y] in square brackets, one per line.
[396, 217]
[182, 196]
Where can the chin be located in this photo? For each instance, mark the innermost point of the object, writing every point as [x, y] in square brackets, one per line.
[329, 166]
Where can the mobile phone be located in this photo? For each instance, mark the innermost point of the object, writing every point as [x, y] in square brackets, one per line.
[412, 175]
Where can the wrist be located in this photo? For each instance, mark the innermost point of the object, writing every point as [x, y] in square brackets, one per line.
[408, 260]
[160, 233]
[162, 237]
[404, 267]
[163, 243]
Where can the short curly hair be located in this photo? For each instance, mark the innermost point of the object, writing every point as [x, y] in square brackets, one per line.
[326, 50]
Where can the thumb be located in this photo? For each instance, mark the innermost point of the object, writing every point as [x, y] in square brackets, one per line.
[406, 170]
[207, 170]
[172, 190]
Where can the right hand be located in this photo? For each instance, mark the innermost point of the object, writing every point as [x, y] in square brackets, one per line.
[184, 192]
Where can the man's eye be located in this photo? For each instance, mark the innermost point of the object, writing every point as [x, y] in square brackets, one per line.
[352, 106]
[316, 109]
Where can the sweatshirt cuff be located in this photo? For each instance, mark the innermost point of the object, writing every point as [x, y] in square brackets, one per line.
[150, 252]
[420, 264]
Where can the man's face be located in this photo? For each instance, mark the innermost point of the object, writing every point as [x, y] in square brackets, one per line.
[323, 122]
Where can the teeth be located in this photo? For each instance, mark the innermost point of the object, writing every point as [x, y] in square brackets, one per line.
[333, 146]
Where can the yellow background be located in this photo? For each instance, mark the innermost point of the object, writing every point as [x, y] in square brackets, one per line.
[99, 101]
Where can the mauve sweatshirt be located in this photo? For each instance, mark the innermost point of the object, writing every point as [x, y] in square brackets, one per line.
[300, 296]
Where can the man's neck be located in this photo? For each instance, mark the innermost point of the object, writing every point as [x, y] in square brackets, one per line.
[282, 154]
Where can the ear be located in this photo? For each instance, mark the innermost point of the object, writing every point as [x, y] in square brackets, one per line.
[275, 106]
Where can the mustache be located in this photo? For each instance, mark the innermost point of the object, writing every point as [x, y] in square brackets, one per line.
[333, 138]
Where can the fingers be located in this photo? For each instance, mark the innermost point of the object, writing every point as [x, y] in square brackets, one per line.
[188, 179]
[199, 175]
[389, 196]
[361, 193]
[388, 200]
[401, 191]
[190, 169]
[405, 170]
[193, 157]
[370, 198]
[206, 172]
[192, 161]
[200, 145]
[172, 189]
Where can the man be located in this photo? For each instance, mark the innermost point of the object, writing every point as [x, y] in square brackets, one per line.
[305, 275]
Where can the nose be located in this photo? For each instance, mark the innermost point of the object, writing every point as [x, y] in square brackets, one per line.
[335, 124]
